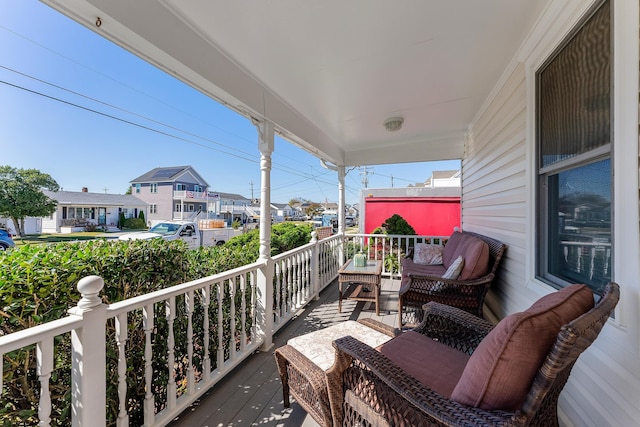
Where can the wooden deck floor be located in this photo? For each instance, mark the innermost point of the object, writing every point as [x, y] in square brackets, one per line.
[252, 394]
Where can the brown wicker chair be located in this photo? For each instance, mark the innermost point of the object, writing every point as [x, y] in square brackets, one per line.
[366, 388]
[467, 295]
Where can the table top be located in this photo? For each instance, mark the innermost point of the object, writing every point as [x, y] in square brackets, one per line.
[372, 267]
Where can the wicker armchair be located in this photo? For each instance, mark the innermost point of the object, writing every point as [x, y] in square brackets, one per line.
[367, 388]
[468, 295]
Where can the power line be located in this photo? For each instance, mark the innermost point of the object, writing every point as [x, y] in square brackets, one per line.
[160, 132]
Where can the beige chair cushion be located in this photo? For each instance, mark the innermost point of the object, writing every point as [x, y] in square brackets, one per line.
[317, 346]
[502, 368]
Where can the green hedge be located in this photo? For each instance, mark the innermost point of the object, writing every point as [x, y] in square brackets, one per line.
[38, 284]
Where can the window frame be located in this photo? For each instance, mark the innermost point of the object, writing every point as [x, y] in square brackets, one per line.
[572, 163]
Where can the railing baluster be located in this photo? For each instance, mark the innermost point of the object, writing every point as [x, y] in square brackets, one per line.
[277, 291]
[220, 291]
[206, 362]
[121, 340]
[243, 313]
[147, 325]
[189, 305]
[170, 313]
[301, 287]
[44, 354]
[290, 287]
[232, 320]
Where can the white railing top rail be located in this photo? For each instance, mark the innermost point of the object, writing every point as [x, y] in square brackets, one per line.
[305, 247]
[163, 294]
[35, 334]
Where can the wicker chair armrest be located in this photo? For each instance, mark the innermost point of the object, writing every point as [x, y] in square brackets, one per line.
[453, 327]
[380, 327]
[419, 281]
[438, 410]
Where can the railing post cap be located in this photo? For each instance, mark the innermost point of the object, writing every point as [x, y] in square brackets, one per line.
[89, 287]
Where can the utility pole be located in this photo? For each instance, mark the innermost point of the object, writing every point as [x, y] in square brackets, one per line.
[391, 181]
[105, 190]
[251, 183]
[364, 172]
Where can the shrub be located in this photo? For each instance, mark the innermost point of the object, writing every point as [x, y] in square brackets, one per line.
[38, 285]
[395, 224]
[134, 224]
[141, 216]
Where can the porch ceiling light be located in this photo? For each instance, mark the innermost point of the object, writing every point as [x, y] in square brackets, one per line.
[393, 124]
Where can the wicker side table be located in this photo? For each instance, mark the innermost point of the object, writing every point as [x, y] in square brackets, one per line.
[367, 281]
[302, 363]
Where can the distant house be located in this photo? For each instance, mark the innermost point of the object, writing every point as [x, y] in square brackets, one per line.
[282, 210]
[176, 192]
[232, 207]
[450, 178]
[77, 209]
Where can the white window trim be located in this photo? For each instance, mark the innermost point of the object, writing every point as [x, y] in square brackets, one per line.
[560, 19]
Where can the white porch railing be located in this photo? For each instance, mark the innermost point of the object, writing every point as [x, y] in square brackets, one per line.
[389, 248]
[218, 316]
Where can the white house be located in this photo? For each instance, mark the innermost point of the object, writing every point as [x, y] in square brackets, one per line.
[76, 209]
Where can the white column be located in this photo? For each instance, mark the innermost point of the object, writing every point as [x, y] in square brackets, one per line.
[264, 308]
[88, 377]
[341, 208]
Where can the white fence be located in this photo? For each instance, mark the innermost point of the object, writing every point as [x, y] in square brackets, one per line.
[193, 334]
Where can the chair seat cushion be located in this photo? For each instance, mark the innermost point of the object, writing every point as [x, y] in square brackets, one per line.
[434, 364]
[502, 368]
[410, 267]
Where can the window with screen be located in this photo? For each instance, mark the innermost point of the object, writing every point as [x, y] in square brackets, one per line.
[574, 134]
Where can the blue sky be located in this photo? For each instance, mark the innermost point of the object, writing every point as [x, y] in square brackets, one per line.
[92, 115]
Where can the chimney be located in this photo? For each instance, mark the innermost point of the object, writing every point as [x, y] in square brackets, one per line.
[85, 190]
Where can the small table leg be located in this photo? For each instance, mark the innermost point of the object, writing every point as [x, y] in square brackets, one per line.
[339, 297]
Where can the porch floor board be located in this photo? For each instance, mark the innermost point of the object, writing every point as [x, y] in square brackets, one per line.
[252, 394]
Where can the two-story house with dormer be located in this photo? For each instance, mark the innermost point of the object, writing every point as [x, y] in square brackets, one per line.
[176, 192]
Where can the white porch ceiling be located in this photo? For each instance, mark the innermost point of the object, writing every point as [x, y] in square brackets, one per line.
[328, 73]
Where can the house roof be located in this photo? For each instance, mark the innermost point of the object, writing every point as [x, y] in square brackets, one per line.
[80, 198]
[445, 174]
[168, 174]
[229, 196]
[280, 205]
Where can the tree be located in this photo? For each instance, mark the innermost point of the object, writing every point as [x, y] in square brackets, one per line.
[395, 224]
[21, 195]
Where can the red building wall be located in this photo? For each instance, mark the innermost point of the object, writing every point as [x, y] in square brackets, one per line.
[436, 216]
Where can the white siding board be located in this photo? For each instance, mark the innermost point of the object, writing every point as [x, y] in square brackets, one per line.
[604, 387]
[510, 100]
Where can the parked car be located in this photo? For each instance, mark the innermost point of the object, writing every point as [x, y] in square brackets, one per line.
[6, 241]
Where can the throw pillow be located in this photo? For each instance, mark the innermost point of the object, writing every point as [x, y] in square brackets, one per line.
[454, 269]
[501, 369]
[426, 254]
[453, 272]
